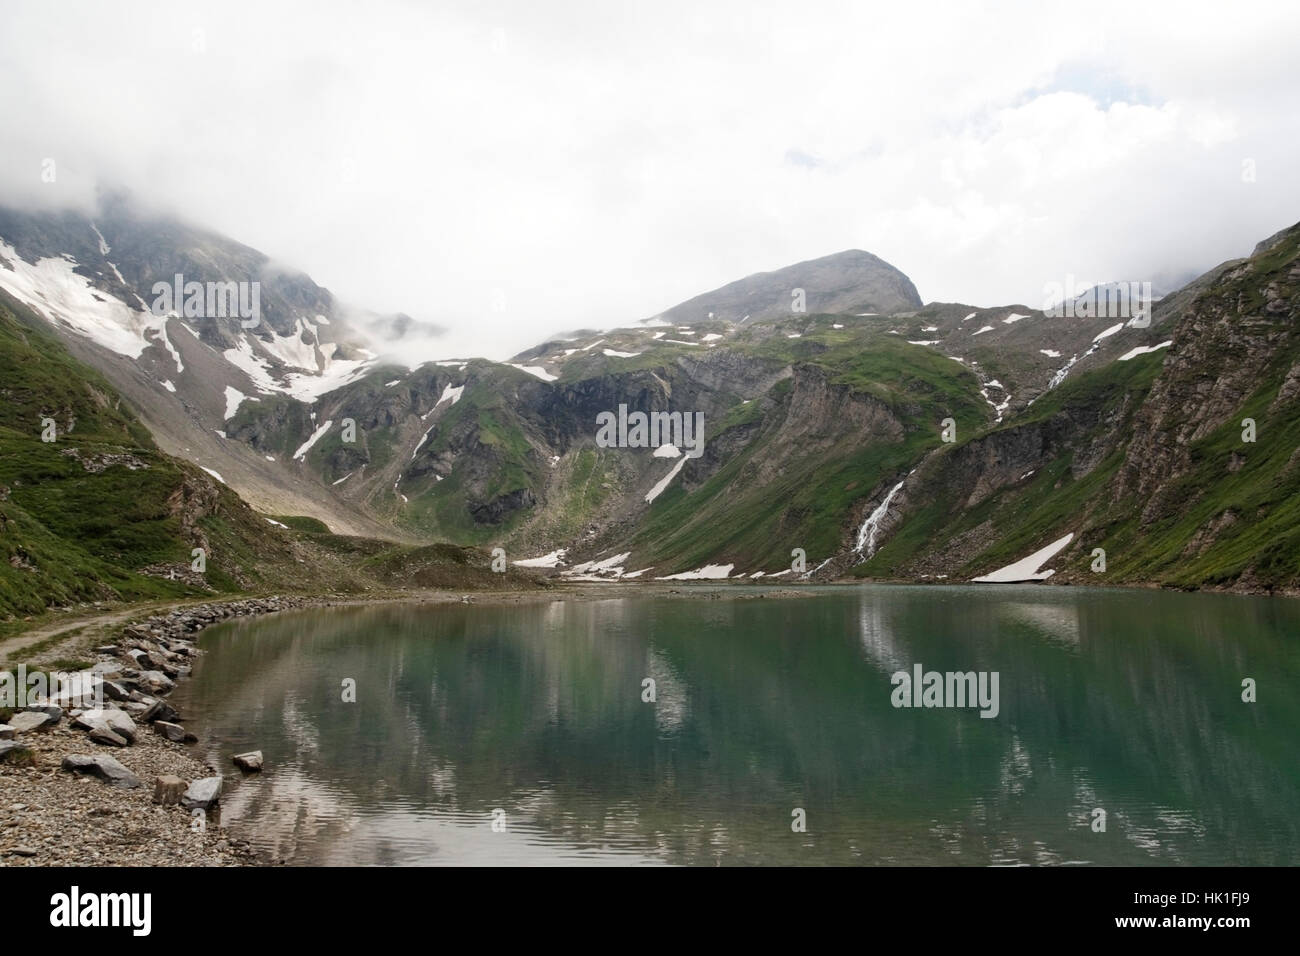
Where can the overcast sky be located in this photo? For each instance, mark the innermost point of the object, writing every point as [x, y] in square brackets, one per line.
[599, 162]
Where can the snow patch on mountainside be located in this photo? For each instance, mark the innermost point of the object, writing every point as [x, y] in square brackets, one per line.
[667, 480]
[1027, 569]
[292, 350]
[306, 384]
[1145, 350]
[420, 444]
[308, 388]
[234, 397]
[613, 563]
[537, 370]
[315, 437]
[554, 559]
[243, 358]
[710, 572]
[608, 569]
[63, 297]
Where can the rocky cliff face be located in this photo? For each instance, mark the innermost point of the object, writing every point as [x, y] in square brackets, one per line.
[1232, 338]
[1179, 465]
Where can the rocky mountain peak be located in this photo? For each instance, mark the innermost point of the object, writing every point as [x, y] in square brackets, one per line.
[848, 281]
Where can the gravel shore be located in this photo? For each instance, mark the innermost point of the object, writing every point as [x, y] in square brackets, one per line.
[50, 816]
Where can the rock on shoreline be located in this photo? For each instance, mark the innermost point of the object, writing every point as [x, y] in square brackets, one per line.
[73, 782]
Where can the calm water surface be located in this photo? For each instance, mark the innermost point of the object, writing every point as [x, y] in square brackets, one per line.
[1122, 700]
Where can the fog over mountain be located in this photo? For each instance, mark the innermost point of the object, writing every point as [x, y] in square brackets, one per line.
[496, 171]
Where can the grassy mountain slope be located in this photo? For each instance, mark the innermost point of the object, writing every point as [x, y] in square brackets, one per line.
[1146, 459]
[100, 514]
[854, 415]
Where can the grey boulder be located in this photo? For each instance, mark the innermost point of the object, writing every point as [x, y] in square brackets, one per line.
[101, 733]
[104, 767]
[118, 721]
[202, 794]
[32, 721]
[159, 710]
[158, 682]
[250, 762]
[45, 707]
[173, 732]
[115, 691]
[13, 751]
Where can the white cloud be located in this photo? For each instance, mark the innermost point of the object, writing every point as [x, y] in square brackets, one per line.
[595, 164]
